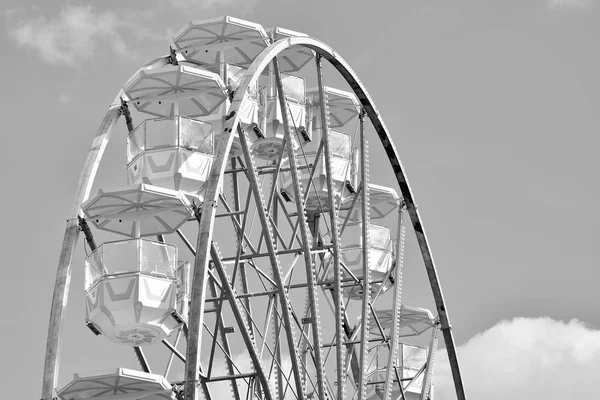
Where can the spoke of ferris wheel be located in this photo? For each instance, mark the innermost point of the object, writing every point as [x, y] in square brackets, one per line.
[311, 183]
[251, 225]
[261, 274]
[396, 303]
[219, 327]
[227, 356]
[174, 351]
[246, 303]
[276, 359]
[304, 232]
[277, 233]
[267, 324]
[236, 189]
[377, 322]
[287, 377]
[276, 174]
[345, 324]
[240, 248]
[276, 267]
[250, 345]
[311, 175]
[239, 228]
[294, 235]
[354, 201]
[225, 342]
[214, 284]
[261, 334]
[366, 276]
[184, 330]
[288, 276]
[430, 362]
[241, 265]
[170, 361]
[269, 209]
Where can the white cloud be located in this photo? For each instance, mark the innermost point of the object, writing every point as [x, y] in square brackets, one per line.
[526, 359]
[241, 6]
[559, 4]
[75, 34]
[81, 32]
[64, 99]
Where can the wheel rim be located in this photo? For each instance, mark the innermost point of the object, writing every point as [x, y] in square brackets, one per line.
[254, 288]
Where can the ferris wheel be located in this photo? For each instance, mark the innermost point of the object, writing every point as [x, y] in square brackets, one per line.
[251, 244]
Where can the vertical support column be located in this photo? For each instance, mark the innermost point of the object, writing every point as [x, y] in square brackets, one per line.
[274, 259]
[396, 307]
[201, 266]
[63, 273]
[366, 271]
[239, 317]
[333, 214]
[305, 235]
[278, 375]
[430, 363]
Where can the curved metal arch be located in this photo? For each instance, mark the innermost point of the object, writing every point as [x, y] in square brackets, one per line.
[63, 272]
[216, 181]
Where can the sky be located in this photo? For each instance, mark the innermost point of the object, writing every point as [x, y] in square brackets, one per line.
[493, 106]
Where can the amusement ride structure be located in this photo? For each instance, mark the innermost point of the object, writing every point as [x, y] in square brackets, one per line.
[292, 289]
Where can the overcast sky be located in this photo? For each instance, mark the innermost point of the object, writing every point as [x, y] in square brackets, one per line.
[493, 106]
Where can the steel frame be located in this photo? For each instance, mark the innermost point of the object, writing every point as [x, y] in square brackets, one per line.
[222, 288]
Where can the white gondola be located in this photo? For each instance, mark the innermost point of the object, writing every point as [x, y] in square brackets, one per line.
[343, 108]
[221, 40]
[410, 362]
[138, 210]
[381, 259]
[229, 45]
[249, 115]
[269, 146]
[131, 291]
[172, 152]
[382, 201]
[117, 384]
[295, 58]
[318, 193]
[413, 321]
[171, 90]
[343, 111]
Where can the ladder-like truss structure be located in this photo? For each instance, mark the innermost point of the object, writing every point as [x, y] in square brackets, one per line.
[295, 288]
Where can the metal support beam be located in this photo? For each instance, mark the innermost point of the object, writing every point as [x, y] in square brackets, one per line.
[428, 379]
[333, 218]
[224, 340]
[306, 239]
[139, 353]
[276, 267]
[396, 304]
[248, 340]
[366, 271]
